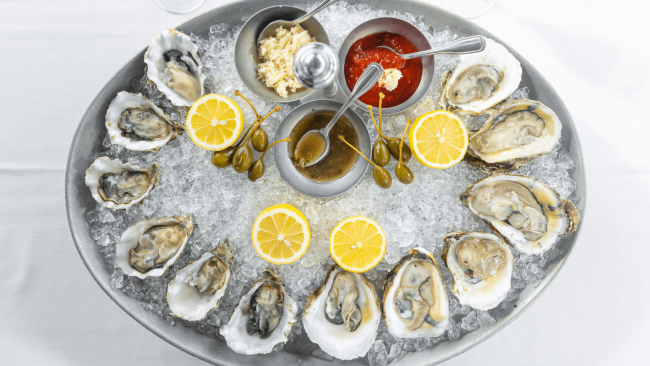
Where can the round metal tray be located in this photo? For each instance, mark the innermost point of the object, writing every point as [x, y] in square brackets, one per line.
[90, 133]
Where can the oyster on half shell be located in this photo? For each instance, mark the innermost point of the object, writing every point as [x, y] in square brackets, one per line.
[513, 136]
[197, 288]
[481, 266]
[480, 80]
[116, 185]
[136, 123]
[415, 300]
[342, 315]
[149, 247]
[263, 318]
[174, 66]
[525, 211]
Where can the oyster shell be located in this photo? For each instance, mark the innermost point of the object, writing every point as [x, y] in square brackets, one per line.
[481, 265]
[480, 80]
[149, 247]
[513, 136]
[415, 300]
[263, 318]
[174, 65]
[342, 315]
[197, 288]
[525, 211]
[136, 123]
[116, 185]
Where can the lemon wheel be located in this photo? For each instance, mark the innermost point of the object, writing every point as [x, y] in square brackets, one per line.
[357, 244]
[281, 234]
[439, 139]
[214, 122]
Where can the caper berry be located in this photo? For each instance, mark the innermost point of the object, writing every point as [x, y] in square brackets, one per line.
[223, 158]
[380, 153]
[380, 174]
[256, 171]
[403, 173]
[259, 140]
[242, 159]
[393, 146]
[382, 177]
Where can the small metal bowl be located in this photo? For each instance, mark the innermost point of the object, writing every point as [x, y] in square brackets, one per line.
[392, 25]
[246, 57]
[299, 182]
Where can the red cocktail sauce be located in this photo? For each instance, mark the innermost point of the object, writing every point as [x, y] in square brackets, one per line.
[364, 52]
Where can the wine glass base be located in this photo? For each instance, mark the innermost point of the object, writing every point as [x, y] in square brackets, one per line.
[180, 6]
[468, 8]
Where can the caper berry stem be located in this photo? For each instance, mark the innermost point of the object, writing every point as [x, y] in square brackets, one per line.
[401, 142]
[271, 145]
[375, 123]
[237, 93]
[255, 125]
[358, 152]
[381, 97]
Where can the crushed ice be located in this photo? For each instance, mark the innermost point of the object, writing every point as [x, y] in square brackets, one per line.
[225, 204]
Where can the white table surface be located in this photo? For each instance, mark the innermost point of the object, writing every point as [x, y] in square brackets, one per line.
[55, 56]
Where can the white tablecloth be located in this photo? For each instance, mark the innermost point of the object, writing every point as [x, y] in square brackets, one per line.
[56, 55]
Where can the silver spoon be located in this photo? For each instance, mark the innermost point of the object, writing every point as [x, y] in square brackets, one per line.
[269, 30]
[470, 44]
[368, 78]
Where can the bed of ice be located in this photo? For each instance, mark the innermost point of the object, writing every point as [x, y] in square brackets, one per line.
[225, 204]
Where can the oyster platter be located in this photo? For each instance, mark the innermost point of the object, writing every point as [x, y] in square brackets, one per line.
[434, 210]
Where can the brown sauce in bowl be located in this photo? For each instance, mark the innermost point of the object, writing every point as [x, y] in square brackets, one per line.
[341, 157]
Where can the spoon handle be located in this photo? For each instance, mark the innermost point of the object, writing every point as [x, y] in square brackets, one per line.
[318, 8]
[367, 80]
[470, 44]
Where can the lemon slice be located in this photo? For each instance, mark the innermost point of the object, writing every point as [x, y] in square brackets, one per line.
[214, 122]
[438, 139]
[357, 244]
[281, 234]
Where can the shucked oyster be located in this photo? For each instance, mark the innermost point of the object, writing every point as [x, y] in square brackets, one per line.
[149, 247]
[118, 186]
[342, 315]
[197, 288]
[262, 319]
[136, 123]
[415, 301]
[174, 65]
[526, 212]
[513, 136]
[481, 265]
[481, 79]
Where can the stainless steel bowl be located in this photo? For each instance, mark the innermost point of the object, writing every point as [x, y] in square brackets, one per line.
[246, 56]
[299, 182]
[87, 141]
[392, 25]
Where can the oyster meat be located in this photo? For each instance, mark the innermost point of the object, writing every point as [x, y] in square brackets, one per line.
[481, 265]
[197, 288]
[525, 211]
[513, 136]
[263, 318]
[116, 185]
[480, 80]
[415, 301]
[136, 123]
[342, 315]
[149, 247]
[174, 66]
